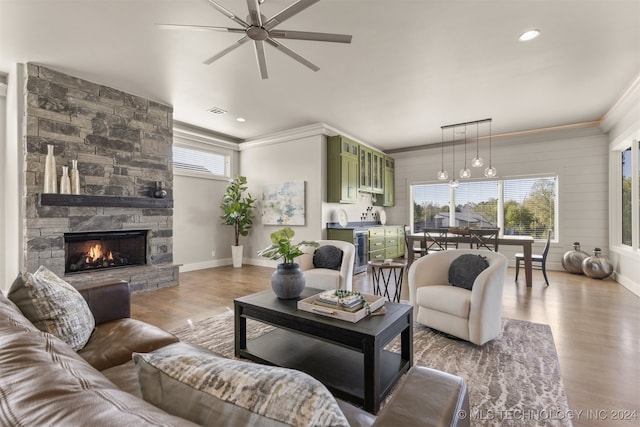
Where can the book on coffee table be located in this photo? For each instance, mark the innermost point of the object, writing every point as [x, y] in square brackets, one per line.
[320, 306]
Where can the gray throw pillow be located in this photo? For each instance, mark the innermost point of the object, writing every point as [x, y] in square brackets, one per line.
[464, 270]
[212, 391]
[53, 306]
[328, 257]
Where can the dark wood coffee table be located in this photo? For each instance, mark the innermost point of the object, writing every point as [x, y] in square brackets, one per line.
[348, 358]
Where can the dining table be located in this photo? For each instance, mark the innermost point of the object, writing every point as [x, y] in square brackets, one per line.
[525, 241]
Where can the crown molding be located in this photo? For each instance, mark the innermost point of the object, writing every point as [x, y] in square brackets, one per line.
[203, 136]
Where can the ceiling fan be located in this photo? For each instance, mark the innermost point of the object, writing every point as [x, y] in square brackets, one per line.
[261, 30]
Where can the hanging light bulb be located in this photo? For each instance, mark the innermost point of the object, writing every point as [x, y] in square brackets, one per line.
[490, 172]
[477, 161]
[465, 172]
[453, 183]
[442, 174]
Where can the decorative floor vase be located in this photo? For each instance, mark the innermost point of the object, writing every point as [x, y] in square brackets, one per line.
[597, 266]
[572, 260]
[288, 281]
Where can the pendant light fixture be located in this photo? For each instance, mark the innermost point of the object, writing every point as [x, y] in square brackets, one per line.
[465, 173]
[490, 172]
[477, 161]
[453, 182]
[442, 174]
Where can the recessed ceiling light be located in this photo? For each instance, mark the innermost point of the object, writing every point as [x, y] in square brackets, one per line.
[241, 119]
[529, 35]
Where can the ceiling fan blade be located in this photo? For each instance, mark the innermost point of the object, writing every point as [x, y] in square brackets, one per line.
[292, 54]
[287, 13]
[199, 28]
[307, 35]
[227, 50]
[262, 61]
[254, 13]
[227, 13]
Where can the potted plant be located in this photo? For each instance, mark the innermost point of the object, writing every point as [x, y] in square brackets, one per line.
[288, 280]
[237, 210]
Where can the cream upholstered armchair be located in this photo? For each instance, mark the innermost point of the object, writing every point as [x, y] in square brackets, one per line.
[474, 315]
[328, 278]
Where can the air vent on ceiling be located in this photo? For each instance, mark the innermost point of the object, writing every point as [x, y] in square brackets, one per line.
[216, 110]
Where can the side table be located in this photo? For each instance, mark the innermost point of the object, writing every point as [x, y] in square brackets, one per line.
[384, 270]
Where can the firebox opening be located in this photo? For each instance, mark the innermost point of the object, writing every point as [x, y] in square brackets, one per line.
[106, 249]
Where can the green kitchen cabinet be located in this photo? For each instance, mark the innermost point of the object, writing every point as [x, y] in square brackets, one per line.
[371, 173]
[389, 181]
[342, 170]
[386, 242]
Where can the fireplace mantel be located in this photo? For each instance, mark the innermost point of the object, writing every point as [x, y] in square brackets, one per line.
[49, 199]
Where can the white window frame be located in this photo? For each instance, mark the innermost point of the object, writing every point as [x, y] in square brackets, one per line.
[203, 143]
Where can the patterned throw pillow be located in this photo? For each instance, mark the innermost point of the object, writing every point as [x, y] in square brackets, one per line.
[464, 270]
[328, 256]
[53, 306]
[216, 391]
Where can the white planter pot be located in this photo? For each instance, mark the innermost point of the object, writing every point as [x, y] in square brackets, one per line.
[236, 255]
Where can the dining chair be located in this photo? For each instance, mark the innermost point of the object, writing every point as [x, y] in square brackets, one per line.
[417, 251]
[484, 238]
[538, 261]
[436, 240]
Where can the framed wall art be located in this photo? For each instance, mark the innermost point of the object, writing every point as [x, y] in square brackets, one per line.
[283, 203]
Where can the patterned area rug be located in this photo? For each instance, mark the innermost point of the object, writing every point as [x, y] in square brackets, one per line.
[513, 380]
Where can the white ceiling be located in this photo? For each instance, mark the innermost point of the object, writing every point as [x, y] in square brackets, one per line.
[413, 65]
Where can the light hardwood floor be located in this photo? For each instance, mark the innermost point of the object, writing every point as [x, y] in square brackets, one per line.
[595, 323]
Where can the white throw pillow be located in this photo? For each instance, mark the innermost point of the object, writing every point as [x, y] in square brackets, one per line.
[53, 306]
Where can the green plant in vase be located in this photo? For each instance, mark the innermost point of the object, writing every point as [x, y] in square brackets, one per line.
[288, 280]
[237, 211]
[283, 248]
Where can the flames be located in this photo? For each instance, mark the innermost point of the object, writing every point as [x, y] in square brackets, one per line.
[95, 253]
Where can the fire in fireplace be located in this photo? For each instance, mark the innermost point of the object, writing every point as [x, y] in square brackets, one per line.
[104, 249]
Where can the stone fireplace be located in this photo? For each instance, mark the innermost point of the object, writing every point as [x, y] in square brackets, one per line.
[123, 145]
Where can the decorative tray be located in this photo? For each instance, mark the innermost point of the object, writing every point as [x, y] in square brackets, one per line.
[309, 304]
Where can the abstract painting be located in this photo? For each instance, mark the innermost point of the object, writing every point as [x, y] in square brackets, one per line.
[283, 203]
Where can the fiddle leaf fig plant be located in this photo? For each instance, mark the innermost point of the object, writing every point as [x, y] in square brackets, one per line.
[283, 248]
[237, 209]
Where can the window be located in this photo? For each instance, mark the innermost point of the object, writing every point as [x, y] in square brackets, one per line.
[626, 197]
[430, 206]
[192, 161]
[524, 206]
[529, 206]
[477, 204]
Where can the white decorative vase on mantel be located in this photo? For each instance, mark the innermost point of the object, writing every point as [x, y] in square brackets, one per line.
[50, 179]
[236, 255]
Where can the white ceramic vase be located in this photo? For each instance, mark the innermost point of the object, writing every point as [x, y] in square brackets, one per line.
[50, 180]
[236, 255]
[65, 183]
[75, 177]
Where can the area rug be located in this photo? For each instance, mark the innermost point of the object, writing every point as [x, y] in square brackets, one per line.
[513, 380]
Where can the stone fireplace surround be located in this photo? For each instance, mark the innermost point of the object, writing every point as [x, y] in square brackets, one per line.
[123, 146]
